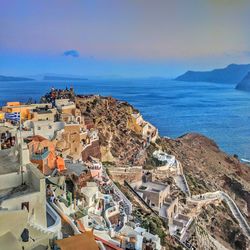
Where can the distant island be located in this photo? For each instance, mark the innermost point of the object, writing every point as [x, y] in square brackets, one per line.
[232, 74]
[14, 78]
[63, 78]
[244, 84]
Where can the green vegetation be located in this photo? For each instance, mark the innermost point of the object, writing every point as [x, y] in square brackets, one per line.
[79, 214]
[152, 223]
[155, 226]
[108, 164]
[196, 186]
[117, 184]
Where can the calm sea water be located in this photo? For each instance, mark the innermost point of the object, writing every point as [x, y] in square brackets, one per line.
[215, 110]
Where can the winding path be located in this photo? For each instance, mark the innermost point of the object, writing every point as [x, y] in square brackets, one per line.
[220, 195]
[181, 182]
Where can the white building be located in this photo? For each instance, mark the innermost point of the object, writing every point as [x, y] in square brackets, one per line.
[23, 205]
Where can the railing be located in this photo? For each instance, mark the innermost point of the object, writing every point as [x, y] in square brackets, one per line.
[123, 197]
[66, 218]
[111, 212]
[56, 227]
[232, 206]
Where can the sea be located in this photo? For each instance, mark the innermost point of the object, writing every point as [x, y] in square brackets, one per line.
[176, 108]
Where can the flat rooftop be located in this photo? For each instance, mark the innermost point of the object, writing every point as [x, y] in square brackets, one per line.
[8, 162]
[152, 187]
[76, 168]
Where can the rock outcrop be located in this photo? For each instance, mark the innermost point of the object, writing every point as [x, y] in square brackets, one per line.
[244, 84]
[118, 142]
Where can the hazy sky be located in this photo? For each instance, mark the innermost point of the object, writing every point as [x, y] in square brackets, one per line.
[122, 37]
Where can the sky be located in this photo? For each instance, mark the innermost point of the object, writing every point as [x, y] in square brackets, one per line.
[127, 38]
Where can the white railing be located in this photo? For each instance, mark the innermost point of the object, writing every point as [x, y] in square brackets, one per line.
[66, 218]
[56, 227]
[231, 204]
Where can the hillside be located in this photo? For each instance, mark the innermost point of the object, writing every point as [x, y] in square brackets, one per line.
[244, 84]
[205, 166]
[62, 78]
[14, 78]
[119, 143]
[232, 74]
[208, 169]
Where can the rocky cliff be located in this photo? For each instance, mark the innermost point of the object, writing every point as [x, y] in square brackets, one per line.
[232, 74]
[119, 143]
[206, 167]
[244, 84]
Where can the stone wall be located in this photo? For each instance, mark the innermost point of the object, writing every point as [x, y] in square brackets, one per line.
[133, 174]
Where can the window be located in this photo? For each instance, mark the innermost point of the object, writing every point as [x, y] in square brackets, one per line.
[25, 205]
[39, 128]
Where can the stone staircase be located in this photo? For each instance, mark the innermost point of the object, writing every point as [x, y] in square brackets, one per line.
[220, 195]
[40, 229]
[181, 182]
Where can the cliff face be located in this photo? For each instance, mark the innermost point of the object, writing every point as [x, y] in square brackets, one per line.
[119, 143]
[245, 83]
[208, 169]
[218, 221]
[232, 74]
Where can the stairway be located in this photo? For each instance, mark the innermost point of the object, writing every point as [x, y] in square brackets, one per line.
[40, 229]
[220, 195]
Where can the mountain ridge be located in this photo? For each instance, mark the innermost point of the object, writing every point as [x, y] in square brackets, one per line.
[232, 74]
[14, 78]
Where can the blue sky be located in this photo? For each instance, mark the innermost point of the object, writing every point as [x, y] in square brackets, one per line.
[122, 38]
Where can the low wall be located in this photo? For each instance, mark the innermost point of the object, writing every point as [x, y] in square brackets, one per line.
[56, 227]
[125, 174]
[123, 197]
[11, 180]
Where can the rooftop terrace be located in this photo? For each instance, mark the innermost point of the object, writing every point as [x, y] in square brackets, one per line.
[152, 187]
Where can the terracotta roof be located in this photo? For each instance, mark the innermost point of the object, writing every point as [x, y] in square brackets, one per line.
[108, 244]
[84, 241]
[36, 138]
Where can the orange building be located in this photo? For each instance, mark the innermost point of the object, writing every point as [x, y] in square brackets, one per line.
[2, 115]
[17, 107]
[42, 152]
[11, 104]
